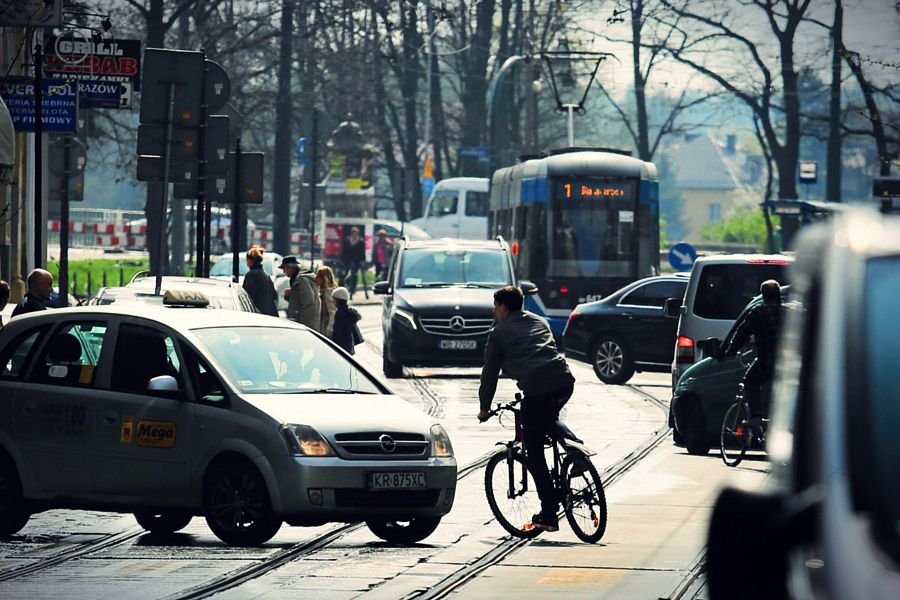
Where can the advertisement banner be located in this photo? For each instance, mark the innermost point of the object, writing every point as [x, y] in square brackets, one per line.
[59, 104]
[104, 94]
[74, 57]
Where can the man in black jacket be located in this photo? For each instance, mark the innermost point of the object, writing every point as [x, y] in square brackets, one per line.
[40, 287]
[522, 345]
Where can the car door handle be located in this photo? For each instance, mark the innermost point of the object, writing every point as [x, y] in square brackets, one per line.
[111, 418]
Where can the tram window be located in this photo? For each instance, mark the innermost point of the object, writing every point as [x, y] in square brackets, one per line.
[591, 241]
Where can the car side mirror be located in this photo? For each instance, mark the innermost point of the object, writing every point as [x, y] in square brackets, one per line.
[528, 288]
[781, 522]
[163, 385]
[672, 307]
[381, 287]
[710, 347]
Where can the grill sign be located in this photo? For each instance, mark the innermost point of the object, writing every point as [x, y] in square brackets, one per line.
[155, 434]
[109, 60]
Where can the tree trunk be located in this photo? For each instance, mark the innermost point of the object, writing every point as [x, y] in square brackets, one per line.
[640, 97]
[409, 86]
[474, 89]
[833, 174]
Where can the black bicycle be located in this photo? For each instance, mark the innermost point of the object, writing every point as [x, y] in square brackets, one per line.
[513, 496]
[739, 431]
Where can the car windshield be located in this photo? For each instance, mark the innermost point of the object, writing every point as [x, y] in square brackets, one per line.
[266, 360]
[437, 268]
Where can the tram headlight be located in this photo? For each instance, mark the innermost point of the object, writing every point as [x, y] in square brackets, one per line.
[405, 317]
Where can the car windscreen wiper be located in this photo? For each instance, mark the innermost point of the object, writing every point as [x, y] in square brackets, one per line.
[331, 390]
[485, 285]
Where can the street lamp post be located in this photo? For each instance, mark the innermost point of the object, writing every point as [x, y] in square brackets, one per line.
[492, 110]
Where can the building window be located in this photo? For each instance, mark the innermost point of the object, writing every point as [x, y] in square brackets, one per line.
[715, 213]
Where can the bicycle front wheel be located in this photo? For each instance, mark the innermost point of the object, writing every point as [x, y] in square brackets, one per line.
[585, 501]
[511, 493]
[735, 435]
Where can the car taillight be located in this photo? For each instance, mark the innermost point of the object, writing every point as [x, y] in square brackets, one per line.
[571, 318]
[684, 350]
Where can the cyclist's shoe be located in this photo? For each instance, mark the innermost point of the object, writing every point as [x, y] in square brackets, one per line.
[545, 523]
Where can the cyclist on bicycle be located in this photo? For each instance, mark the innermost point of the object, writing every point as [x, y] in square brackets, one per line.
[763, 322]
[522, 345]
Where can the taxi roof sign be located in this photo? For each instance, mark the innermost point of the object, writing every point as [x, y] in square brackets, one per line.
[185, 298]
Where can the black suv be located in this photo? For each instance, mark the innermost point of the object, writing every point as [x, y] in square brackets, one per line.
[439, 301]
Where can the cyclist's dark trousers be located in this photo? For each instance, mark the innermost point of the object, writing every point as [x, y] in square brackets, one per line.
[539, 413]
[757, 388]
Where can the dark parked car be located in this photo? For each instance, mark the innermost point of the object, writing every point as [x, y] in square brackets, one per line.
[439, 301]
[626, 331]
[706, 390]
[827, 522]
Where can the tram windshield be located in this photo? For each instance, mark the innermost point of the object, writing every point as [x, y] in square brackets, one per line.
[592, 227]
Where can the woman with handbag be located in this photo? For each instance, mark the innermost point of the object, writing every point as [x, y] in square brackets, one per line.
[346, 333]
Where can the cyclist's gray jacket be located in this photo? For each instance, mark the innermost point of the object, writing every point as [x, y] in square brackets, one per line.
[523, 346]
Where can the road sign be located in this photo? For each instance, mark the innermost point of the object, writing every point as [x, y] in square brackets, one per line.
[682, 256]
[150, 168]
[808, 171]
[57, 169]
[251, 191]
[886, 187]
[182, 146]
[427, 186]
[482, 153]
[218, 86]
[182, 68]
[58, 104]
[301, 152]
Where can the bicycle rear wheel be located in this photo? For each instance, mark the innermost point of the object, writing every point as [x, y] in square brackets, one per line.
[511, 493]
[585, 501]
[735, 435]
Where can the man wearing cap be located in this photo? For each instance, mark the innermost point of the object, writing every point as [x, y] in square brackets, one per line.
[381, 254]
[303, 294]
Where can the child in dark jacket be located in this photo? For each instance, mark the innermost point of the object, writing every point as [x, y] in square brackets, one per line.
[345, 319]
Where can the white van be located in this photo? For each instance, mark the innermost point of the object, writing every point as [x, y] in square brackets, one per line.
[457, 208]
[720, 287]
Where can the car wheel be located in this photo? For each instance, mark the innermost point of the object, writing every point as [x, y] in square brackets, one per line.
[13, 514]
[692, 431]
[404, 532]
[167, 521]
[391, 369]
[237, 504]
[612, 361]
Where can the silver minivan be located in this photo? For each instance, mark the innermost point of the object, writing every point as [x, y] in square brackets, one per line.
[720, 287]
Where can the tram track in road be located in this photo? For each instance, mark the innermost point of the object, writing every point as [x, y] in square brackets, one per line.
[510, 545]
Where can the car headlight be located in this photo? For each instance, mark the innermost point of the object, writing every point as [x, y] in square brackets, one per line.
[440, 442]
[407, 318]
[303, 440]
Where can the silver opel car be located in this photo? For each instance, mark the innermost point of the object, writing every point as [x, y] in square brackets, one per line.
[247, 420]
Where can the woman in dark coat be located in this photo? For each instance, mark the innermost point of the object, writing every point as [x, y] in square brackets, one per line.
[258, 284]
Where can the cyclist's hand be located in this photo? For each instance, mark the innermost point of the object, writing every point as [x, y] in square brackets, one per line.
[484, 415]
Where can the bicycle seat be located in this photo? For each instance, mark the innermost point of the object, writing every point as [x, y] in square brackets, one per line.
[560, 431]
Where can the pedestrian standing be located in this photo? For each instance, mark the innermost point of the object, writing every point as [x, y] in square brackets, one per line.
[258, 284]
[327, 284]
[354, 258]
[303, 294]
[381, 254]
[346, 331]
[40, 288]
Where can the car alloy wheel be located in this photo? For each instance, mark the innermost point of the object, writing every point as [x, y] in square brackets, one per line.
[237, 504]
[612, 361]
